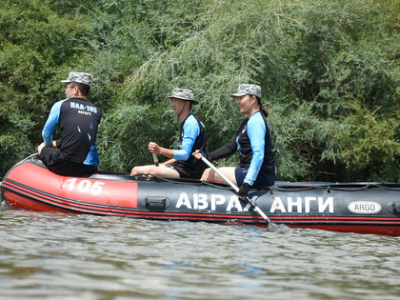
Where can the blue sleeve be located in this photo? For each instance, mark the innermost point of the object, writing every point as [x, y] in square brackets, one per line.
[51, 123]
[256, 131]
[191, 131]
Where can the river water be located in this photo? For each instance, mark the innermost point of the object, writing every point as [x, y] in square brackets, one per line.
[65, 256]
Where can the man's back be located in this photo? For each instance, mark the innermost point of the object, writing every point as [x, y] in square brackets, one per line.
[79, 120]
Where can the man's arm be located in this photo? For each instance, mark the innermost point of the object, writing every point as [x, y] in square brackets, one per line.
[191, 131]
[51, 123]
[154, 148]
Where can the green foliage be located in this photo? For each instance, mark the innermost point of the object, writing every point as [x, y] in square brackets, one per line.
[35, 46]
[329, 72]
[319, 52]
[371, 142]
[129, 129]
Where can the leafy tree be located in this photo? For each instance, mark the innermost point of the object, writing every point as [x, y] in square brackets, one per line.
[37, 46]
[329, 72]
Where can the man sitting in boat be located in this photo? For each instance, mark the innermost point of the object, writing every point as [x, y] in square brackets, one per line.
[75, 154]
[192, 136]
[252, 141]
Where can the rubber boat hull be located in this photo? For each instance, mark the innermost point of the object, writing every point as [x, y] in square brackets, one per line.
[372, 208]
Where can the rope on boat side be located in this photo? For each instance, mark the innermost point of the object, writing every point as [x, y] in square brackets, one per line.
[389, 188]
[291, 189]
[195, 182]
[149, 176]
[33, 156]
[216, 186]
[329, 187]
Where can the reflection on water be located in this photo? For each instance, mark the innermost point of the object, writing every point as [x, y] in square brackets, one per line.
[61, 256]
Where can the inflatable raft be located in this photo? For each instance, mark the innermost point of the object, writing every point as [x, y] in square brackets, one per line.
[344, 207]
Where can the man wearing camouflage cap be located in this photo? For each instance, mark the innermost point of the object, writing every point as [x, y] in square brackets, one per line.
[253, 142]
[192, 136]
[75, 154]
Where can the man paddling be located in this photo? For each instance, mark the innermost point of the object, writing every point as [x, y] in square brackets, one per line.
[192, 136]
[75, 154]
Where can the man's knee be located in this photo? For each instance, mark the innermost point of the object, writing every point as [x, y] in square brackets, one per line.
[136, 170]
[40, 147]
[141, 170]
[206, 174]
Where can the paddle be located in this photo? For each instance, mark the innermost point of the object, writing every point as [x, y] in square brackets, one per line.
[255, 207]
[155, 159]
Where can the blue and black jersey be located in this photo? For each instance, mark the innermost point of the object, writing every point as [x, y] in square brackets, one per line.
[79, 119]
[192, 136]
[254, 144]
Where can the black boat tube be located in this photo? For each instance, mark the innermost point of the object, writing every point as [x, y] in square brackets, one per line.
[236, 189]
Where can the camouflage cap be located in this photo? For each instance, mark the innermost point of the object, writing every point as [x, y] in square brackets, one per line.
[248, 89]
[184, 94]
[79, 77]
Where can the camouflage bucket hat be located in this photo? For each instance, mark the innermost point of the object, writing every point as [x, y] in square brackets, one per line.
[184, 94]
[79, 77]
[248, 89]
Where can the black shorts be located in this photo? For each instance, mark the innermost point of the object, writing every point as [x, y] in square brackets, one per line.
[263, 180]
[49, 156]
[186, 173]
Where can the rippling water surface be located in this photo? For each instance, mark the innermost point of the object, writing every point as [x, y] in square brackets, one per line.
[62, 256]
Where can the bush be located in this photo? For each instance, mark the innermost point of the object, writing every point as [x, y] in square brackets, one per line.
[329, 73]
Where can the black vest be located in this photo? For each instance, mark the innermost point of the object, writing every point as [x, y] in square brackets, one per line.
[192, 165]
[246, 154]
[79, 120]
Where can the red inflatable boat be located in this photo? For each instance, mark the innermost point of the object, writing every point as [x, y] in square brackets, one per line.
[346, 207]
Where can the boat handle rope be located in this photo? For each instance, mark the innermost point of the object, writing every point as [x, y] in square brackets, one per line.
[291, 189]
[274, 188]
[333, 187]
[32, 156]
[388, 188]
[148, 176]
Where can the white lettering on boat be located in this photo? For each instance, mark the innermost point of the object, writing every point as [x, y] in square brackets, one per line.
[297, 204]
[234, 202]
[307, 202]
[322, 205]
[183, 200]
[288, 205]
[364, 207]
[215, 202]
[85, 186]
[278, 205]
[200, 199]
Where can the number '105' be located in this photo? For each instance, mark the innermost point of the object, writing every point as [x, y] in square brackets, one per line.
[85, 186]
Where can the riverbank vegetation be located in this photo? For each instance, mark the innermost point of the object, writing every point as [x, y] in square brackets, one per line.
[329, 72]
